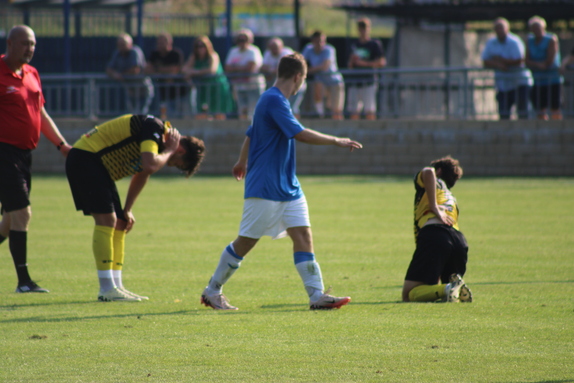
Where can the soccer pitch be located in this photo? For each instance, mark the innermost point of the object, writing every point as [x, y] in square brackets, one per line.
[520, 327]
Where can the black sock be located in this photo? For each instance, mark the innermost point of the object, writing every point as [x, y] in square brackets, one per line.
[18, 242]
[2, 238]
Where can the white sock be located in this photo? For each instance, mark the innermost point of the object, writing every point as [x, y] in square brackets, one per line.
[310, 273]
[106, 280]
[229, 262]
[117, 275]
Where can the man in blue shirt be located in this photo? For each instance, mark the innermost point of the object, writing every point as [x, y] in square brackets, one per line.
[505, 54]
[274, 202]
[127, 62]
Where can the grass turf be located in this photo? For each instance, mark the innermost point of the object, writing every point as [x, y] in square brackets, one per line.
[521, 271]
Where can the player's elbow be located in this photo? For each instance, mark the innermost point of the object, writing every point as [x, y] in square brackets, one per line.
[150, 167]
[303, 136]
[149, 170]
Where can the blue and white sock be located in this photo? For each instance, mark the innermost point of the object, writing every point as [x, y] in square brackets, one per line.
[310, 273]
[229, 262]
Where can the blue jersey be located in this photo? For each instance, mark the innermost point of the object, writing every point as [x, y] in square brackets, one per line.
[271, 161]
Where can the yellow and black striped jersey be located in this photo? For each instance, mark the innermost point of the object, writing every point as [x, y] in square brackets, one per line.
[444, 198]
[120, 142]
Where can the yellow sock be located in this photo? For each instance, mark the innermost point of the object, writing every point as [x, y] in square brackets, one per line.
[119, 245]
[102, 245]
[427, 293]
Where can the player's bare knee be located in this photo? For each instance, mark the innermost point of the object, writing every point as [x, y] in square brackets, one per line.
[20, 219]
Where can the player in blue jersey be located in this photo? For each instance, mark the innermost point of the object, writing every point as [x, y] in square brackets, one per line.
[274, 202]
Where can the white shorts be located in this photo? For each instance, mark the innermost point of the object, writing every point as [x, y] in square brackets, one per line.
[264, 217]
[365, 95]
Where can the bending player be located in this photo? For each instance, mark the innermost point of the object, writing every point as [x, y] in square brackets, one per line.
[134, 145]
[439, 261]
[274, 202]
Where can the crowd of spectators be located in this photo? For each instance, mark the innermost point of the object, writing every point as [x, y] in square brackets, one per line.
[527, 75]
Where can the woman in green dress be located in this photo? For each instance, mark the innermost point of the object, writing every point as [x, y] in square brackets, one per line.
[204, 70]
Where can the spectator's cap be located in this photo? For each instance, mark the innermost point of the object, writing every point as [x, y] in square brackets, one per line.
[244, 33]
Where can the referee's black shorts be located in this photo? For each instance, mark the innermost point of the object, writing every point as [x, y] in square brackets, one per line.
[441, 251]
[15, 177]
[93, 189]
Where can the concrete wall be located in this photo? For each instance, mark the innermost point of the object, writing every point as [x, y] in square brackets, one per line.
[485, 148]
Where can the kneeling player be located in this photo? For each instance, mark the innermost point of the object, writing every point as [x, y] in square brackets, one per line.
[439, 261]
[136, 145]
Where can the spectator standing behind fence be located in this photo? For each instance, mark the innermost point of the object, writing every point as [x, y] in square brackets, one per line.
[322, 60]
[543, 59]
[245, 58]
[168, 60]
[271, 57]
[23, 117]
[505, 54]
[128, 60]
[211, 93]
[367, 55]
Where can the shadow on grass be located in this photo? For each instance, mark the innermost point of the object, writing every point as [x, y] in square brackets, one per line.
[293, 305]
[82, 318]
[16, 306]
[550, 381]
[520, 283]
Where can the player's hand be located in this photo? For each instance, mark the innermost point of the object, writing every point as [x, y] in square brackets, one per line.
[348, 143]
[65, 149]
[444, 218]
[239, 171]
[130, 220]
[172, 140]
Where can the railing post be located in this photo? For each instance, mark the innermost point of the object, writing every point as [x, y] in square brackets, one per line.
[91, 99]
[465, 105]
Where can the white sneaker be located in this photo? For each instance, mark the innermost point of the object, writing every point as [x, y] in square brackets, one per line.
[116, 295]
[216, 301]
[457, 291]
[327, 302]
[142, 297]
[465, 295]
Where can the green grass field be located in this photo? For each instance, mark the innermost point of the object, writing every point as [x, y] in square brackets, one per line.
[520, 328]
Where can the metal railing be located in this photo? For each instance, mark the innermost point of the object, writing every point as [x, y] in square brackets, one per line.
[432, 93]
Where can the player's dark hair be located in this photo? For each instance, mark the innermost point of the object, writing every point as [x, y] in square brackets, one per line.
[363, 23]
[194, 154]
[291, 65]
[450, 170]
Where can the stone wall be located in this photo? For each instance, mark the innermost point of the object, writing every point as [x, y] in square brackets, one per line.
[397, 147]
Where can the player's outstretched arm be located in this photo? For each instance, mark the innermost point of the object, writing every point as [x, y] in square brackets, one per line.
[310, 136]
